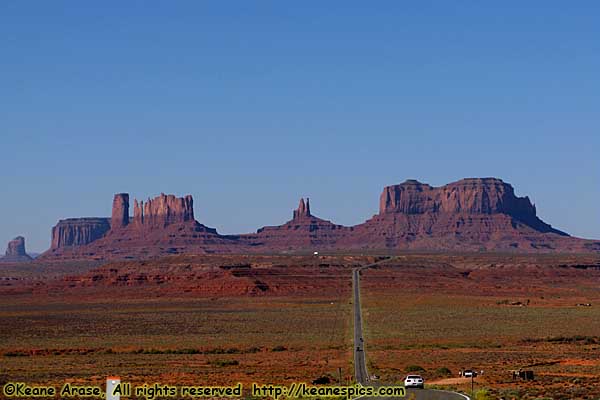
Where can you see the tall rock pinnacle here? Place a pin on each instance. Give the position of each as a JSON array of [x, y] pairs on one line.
[[303, 209], [120, 211]]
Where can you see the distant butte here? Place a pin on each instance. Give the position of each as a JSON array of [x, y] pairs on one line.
[[15, 251], [162, 225], [474, 214], [304, 231]]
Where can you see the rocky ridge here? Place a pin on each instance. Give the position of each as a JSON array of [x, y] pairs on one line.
[[475, 214]]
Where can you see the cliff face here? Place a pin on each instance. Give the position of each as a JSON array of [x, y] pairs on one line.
[[474, 196], [163, 210], [468, 215], [162, 225], [120, 211], [16, 247], [78, 231], [15, 251]]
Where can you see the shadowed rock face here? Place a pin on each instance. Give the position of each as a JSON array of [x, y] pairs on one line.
[[78, 231], [15, 251], [120, 211], [16, 247]]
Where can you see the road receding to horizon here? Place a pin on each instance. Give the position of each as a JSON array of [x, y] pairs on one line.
[[361, 374]]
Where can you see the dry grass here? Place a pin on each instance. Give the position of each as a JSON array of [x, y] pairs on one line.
[[433, 311], [424, 320], [272, 340]]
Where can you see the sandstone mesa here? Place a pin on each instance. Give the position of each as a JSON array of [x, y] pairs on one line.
[[474, 214]]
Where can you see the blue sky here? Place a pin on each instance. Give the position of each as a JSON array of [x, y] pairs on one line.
[[250, 105]]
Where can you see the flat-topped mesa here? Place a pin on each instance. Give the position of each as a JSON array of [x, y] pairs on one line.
[[474, 195], [163, 210], [303, 210], [78, 231], [120, 211], [410, 197], [467, 196]]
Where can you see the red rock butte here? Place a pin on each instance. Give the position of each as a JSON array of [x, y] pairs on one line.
[[15, 251], [475, 214]]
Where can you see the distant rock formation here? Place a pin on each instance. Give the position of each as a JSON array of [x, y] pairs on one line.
[[162, 225], [120, 211], [303, 210], [15, 251], [163, 211], [78, 231], [303, 232], [472, 214], [469, 196], [475, 214]]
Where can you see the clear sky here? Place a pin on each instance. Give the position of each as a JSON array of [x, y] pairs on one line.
[[250, 105]]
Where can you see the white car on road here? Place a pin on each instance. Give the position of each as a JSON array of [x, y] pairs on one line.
[[414, 381]]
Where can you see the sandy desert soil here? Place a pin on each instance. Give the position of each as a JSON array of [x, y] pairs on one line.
[[280, 319], [438, 314]]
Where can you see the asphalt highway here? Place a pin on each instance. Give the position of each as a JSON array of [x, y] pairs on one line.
[[361, 374]]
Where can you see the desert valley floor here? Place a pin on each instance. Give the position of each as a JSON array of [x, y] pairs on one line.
[[282, 319]]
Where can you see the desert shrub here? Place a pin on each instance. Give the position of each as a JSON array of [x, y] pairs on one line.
[[188, 351], [443, 371], [414, 368], [510, 393], [279, 348], [15, 354], [215, 351], [153, 351], [482, 394], [224, 363]]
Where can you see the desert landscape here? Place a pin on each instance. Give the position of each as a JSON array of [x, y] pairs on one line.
[[285, 319], [473, 214], [300, 200], [460, 278]]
